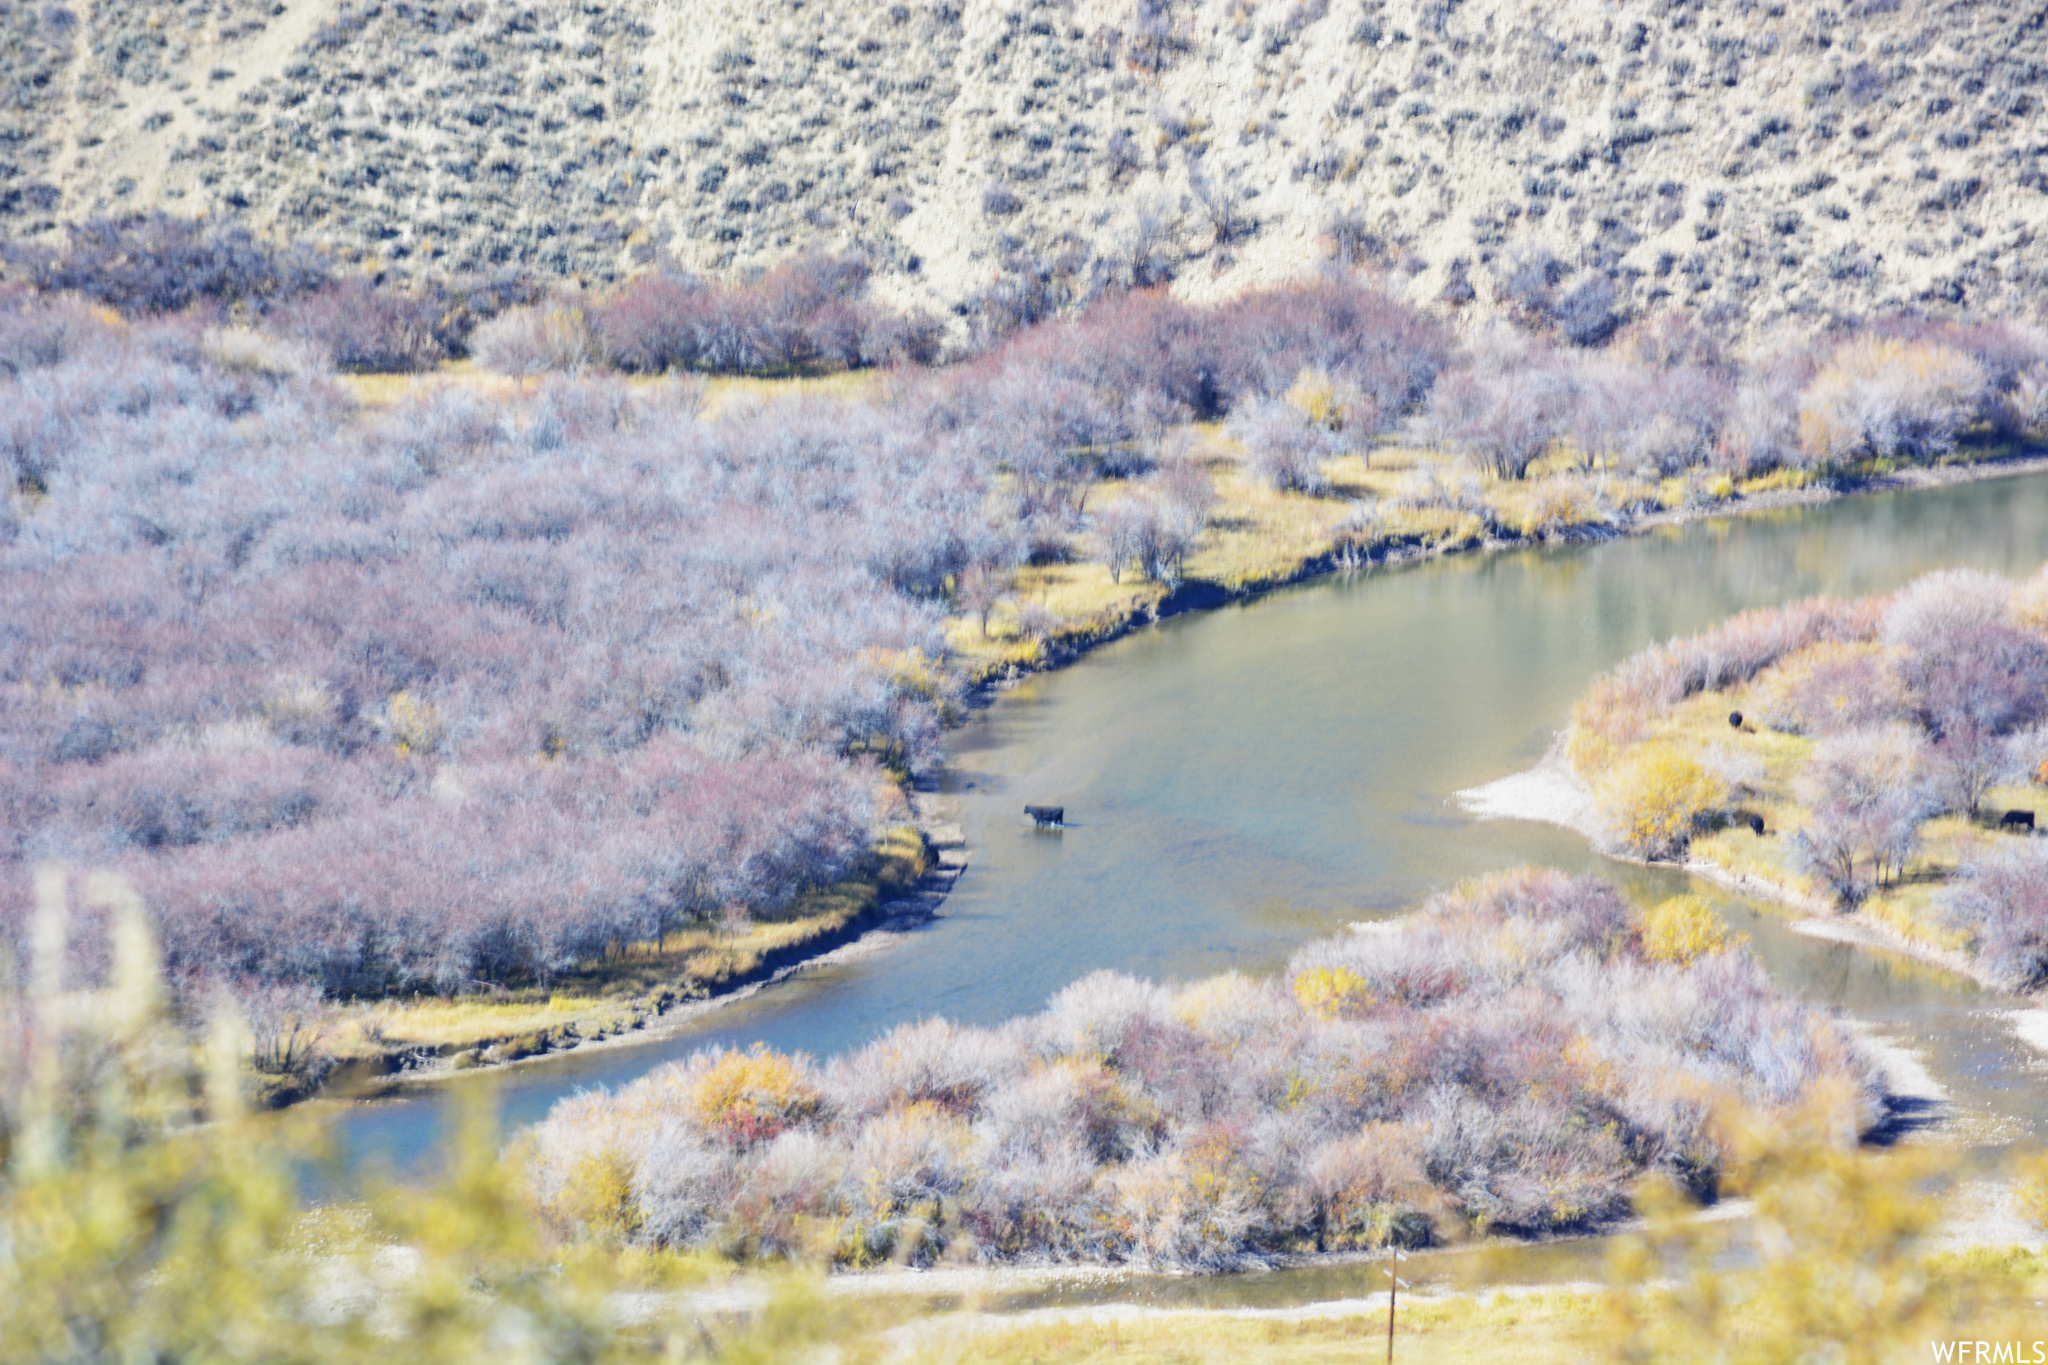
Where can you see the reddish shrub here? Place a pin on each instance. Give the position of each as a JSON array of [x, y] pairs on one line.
[[364, 328]]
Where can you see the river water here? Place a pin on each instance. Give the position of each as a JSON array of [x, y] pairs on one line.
[[1239, 781]]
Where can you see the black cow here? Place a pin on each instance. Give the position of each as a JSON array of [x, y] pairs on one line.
[[1735, 719], [2017, 819], [1755, 823], [1047, 815]]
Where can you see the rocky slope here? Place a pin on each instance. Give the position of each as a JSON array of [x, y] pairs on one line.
[[1760, 159]]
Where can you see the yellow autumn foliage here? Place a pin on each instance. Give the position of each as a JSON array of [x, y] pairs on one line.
[[1318, 398], [415, 726], [2030, 603], [1327, 992], [1652, 796], [753, 1093], [1684, 929]]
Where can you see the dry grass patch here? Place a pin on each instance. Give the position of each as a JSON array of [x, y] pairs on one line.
[[376, 391], [1560, 1326]]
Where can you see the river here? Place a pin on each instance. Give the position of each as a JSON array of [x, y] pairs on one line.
[[1239, 781]]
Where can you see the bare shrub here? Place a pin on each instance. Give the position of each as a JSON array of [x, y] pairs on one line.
[[1284, 449], [1380, 348], [1152, 529], [1889, 398], [37, 333], [651, 325], [1660, 420], [1760, 428], [526, 341], [1936, 608], [244, 350], [1833, 686], [286, 1029], [1504, 422], [2001, 902], [1868, 791], [364, 329], [979, 589]]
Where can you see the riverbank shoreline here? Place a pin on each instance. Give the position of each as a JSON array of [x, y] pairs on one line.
[[892, 919], [1194, 595]]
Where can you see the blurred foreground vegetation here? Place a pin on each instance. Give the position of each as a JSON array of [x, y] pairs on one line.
[[148, 1214]]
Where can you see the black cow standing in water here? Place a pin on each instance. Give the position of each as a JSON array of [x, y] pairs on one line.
[[1047, 815]]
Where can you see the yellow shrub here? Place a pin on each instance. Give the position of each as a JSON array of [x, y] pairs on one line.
[[753, 1094], [1655, 792], [1327, 992], [1721, 488], [1317, 396], [2030, 604], [597, 1198], [911, 671], [1560, 504], [1683, 930], [415, 726]]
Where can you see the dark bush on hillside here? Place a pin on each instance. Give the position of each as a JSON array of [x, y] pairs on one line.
[[467, 693], [155, 263], [1510, 1058], [1589, 314]]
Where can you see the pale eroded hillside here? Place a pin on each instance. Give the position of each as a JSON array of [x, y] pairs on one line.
[[1762, 159]]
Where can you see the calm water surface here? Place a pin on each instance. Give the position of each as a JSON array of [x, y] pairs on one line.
[[1246, 779]]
